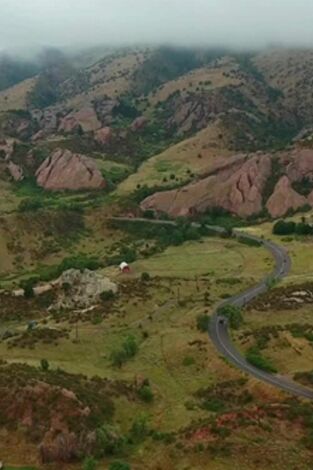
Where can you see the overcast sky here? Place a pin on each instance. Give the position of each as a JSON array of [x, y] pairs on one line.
[[36, 23]]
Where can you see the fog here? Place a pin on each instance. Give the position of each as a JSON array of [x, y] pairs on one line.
[[27, 25]]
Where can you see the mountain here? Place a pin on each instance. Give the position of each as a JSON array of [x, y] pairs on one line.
[[175, 116]]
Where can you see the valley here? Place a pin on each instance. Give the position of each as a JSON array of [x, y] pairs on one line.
[[127, 160]]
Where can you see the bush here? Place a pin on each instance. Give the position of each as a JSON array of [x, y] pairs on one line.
[[145, 277], [255, 358], [30, 204], [139, 430], [44, 365], [107, 295], [146, 394], [109, 440], [188, 361], [282, 227], [89, 463], [233, 315], [128, 350], [203, 322], [119, 466], [28, 291]]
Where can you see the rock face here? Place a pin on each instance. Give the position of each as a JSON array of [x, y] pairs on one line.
[[15, 171], [103, 136], [64, 170], [139, 123], [83, 289], [284, 198], [85, 118], [6, 148], [236, 186]]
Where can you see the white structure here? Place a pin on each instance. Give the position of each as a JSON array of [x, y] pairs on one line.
[[124, 267]]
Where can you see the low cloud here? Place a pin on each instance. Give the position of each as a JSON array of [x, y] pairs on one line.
[[30, 24]]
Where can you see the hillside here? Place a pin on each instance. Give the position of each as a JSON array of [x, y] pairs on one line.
[[107, 369], [170, 114]]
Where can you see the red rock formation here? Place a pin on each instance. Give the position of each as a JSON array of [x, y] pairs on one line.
[[103, 135], [85, 118], [284, 198], [15, 171], [66, 170], [237, 188], [139, 123], [299, 164]]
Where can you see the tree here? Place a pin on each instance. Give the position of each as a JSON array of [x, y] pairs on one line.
[[203, 322], [281, 227], [140, 429], [44, 364], [233, 315], [89, 463], [146, 394]]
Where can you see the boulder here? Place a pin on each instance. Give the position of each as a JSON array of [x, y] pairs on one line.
[[64, 170], [85, 118], [139, 123], [236, 185], [83, 288], [15, 171], [6, 148], [103, 135], [284, 198]]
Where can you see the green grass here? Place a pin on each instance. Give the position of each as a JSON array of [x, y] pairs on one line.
[[167, 313]]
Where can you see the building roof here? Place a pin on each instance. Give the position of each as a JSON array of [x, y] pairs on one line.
[[123, 265]]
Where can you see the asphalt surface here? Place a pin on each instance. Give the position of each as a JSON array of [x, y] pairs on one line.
[[218, 329]]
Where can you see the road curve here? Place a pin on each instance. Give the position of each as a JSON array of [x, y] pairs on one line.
[[218, 328]]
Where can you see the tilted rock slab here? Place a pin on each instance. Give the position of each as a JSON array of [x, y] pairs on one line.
[[64, 170], [236, 187]]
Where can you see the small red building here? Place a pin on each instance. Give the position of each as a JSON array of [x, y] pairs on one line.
[[124, 267]]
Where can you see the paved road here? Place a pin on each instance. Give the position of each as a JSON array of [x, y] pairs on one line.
[[218, 329]]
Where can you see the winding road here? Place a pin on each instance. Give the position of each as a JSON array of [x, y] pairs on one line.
[[218, 328]]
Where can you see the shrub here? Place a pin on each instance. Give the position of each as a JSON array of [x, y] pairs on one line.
[[188, 361], [118, 465], [128, 350], [255, 358], [203, 322], [145, 277], [109, 440], [233, 315], [28, 291], [89, 463], [30, 204], [146, 394], [44, 365], [139, 430], [107, 295], [149, 214]]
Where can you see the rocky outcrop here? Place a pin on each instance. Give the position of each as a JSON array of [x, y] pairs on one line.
[[15, 171], [139, 123], [236, 187], [64, 170], [284, 198], [299, 164], [6, 148], [85, 118], [103, 136], [82, 289], [46, 119], [59, 447]]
